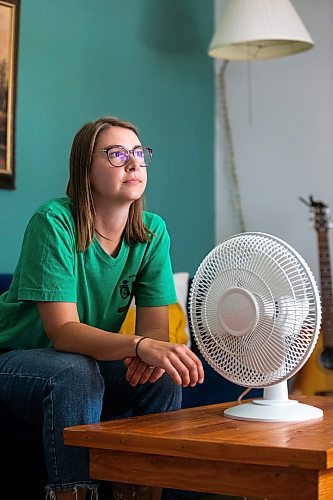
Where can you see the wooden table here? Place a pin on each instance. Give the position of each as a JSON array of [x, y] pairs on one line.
[[199, 449]]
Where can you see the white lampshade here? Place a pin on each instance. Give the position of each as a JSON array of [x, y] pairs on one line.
[[259, 29]]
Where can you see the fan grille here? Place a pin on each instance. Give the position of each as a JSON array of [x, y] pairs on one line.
[[288, 309]]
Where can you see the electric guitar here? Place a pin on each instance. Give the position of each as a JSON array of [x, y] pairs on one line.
[[316, 376]]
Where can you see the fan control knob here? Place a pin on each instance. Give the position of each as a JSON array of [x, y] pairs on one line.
[[238, 311]]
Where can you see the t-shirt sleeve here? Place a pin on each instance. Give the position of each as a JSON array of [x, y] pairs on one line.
[[47, 262], [155, 285]]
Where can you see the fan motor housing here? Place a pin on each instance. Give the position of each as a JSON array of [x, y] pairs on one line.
[[238, 311]]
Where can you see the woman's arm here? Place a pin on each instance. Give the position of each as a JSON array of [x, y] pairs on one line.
[[153, 322], [62, 325], [66, 333]]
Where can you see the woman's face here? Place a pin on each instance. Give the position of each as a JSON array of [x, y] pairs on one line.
[[117, 185]]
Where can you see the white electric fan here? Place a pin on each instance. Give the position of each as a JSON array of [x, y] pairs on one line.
[[255, 315]]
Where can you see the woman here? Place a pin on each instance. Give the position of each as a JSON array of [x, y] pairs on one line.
[[83, 258]]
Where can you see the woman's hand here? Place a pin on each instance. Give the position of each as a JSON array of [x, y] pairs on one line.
[[183, 366], [139, 372]]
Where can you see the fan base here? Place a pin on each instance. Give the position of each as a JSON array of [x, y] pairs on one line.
[[284, 411]]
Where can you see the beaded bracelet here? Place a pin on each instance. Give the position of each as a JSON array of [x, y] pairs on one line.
[[137, 345]]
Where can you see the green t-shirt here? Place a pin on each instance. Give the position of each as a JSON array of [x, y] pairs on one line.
[[51, 269]]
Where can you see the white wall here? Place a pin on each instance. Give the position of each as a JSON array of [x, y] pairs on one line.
[[286, 150]]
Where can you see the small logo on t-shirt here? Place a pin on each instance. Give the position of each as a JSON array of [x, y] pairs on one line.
[[125, 291]]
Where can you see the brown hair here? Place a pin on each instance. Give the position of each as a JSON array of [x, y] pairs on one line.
[[79, 187]]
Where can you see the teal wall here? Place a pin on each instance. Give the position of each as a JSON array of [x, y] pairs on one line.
[[141, 60]]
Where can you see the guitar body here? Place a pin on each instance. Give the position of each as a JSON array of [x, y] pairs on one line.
[[316, 376], [314, 379]]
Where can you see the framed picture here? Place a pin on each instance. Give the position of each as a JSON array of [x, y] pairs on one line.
[[9, 23]]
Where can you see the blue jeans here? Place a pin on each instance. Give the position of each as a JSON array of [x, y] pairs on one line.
[[57, 390]]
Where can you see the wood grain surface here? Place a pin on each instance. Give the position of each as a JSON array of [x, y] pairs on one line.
[[201, 450]]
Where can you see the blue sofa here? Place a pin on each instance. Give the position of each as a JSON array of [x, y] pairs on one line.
[[21, 444]]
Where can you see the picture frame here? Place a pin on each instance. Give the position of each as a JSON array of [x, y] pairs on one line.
[[9, 26]]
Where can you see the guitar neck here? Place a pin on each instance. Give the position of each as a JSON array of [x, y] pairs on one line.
[[326, 287]]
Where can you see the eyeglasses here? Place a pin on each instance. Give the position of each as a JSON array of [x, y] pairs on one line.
[[119, 156]]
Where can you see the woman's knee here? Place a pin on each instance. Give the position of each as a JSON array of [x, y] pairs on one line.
[[80, 372], [44, 382], [75, 394]]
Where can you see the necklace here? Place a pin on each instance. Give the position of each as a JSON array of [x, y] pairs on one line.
[[102, 235]]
